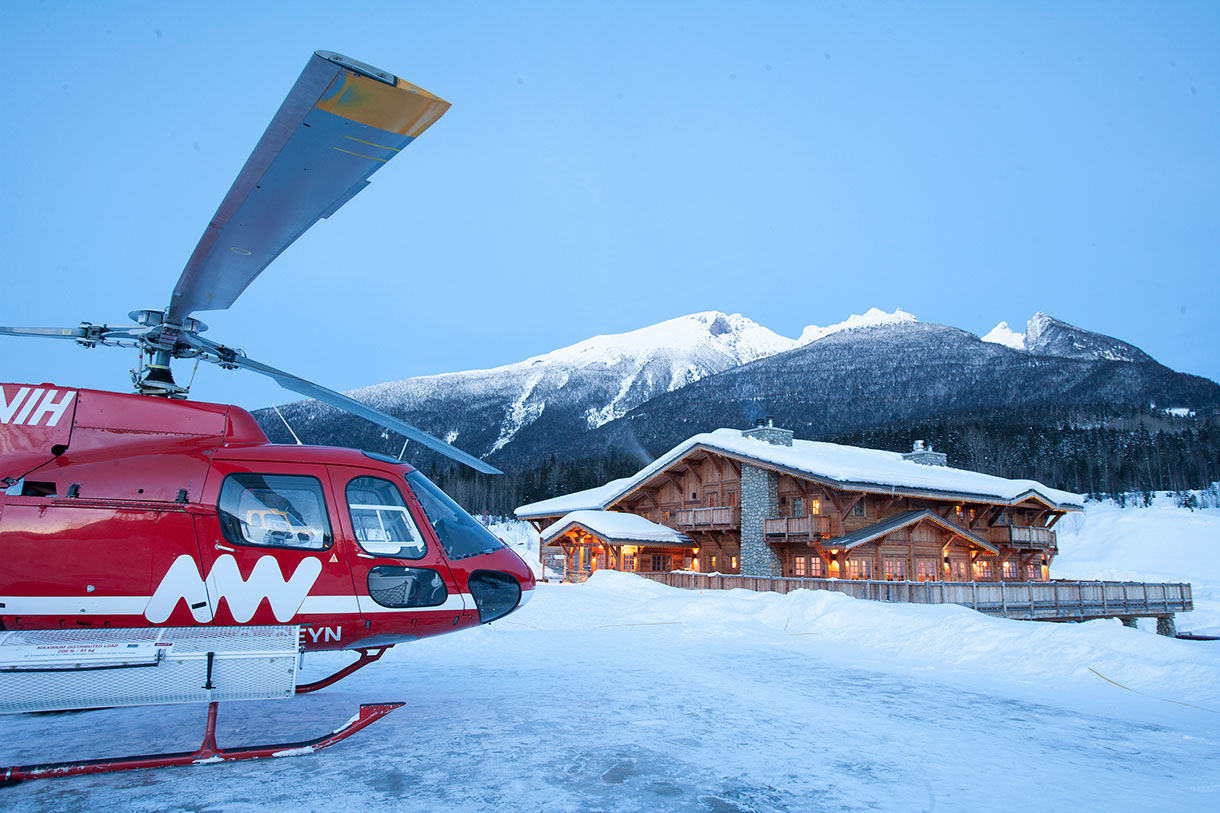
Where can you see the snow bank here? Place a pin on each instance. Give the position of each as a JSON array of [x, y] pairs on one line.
[[1061, 663]]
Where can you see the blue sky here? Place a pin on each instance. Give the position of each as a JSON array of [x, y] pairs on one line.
[[608, 166]]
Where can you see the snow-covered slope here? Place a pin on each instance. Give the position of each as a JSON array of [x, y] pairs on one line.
[[873, 317], [1003, 334]]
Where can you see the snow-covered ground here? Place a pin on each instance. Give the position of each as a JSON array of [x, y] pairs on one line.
[[622, 694]]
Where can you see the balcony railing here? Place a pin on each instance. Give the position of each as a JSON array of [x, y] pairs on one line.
[[1022, 536], [801, 527], [727, 516]]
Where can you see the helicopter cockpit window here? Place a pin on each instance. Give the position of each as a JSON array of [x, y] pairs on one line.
[[274, 510], [380, 518], [461, 534]]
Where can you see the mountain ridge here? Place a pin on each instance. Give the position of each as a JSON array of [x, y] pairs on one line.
[[628, 393]]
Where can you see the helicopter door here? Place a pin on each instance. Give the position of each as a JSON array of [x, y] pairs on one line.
[[271, 551], [402, 581]]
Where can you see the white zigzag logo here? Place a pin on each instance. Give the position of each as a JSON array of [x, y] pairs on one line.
[[224, 580]]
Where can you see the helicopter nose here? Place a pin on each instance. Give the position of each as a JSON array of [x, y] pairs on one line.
[[501, 584]]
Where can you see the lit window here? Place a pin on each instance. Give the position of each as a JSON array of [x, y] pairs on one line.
[[815, 566], [733, 563], [1033, 572], [894, 569], [713, 563], [923, 570], [815, 507], [982, 569], [798, 566], [1010, 569], [859, 568]]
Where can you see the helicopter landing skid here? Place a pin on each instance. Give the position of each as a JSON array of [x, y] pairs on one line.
[[367, 656], [207, 753]]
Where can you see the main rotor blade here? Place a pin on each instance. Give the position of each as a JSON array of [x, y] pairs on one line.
[[45, 332], [339, 124], [297, 384]]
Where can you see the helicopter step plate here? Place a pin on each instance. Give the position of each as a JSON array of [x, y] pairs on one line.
[[59, 670]]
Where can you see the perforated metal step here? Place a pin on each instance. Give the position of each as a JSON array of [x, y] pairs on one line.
[[56, 670]]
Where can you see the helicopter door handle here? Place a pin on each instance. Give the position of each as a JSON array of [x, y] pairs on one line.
[[219, 546]]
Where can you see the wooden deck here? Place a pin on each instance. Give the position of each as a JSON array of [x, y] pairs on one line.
[[723, 517], [806, 527], [1036, 601]]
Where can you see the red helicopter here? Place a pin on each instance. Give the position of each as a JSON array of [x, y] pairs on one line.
[[154, 550]]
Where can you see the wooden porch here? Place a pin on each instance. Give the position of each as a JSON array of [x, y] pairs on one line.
[[1028, 538], [806, 528], [718, 518], [1031, 601]]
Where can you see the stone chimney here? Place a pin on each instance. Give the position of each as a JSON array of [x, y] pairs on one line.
[[768, 431], [922, 453]]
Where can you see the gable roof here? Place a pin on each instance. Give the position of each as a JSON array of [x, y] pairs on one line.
[[617, 528], [846, 467], [870, 533]]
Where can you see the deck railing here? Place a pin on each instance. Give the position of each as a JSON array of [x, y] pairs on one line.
[[1024, 536], [805, 527], [720, 516], [1067, 600]]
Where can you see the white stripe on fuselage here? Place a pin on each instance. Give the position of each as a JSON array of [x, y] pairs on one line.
[[134, 605]]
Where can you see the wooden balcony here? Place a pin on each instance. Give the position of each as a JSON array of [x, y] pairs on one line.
[[1030, 538], [803, 528], [700, 519]]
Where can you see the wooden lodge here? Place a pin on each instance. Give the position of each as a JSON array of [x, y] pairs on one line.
[[597, 540], [760, 503]]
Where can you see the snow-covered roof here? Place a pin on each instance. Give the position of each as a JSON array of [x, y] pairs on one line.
[[616, 526], [887, 526], [849, 467]]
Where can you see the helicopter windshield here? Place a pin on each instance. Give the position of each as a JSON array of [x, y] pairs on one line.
[[461, 534]]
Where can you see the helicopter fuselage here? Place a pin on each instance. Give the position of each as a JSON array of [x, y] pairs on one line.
[[122, 510]]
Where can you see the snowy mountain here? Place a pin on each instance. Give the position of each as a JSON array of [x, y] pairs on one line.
[[565, 392], [1047, 336], [901, 373], [638, 393]]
